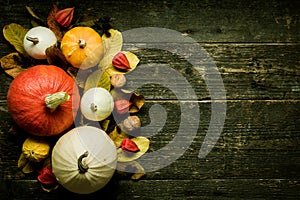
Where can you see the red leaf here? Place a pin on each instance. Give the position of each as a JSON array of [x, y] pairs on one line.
[[129, 145]]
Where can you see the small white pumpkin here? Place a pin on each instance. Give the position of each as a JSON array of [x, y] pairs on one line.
[[96, 104], [84, 159], [37, 40]]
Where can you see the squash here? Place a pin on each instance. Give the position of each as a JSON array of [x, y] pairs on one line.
[[37, 40], [36, 149], [82, 47], [43, 100], [84, 159], [96, 104]]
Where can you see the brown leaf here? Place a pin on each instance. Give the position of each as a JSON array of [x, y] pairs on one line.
[[56, 57], [36, 20], [12, 64], [87, 20], [138, 101], [53, 25]]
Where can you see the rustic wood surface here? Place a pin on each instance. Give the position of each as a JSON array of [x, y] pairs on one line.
[[255, 46]]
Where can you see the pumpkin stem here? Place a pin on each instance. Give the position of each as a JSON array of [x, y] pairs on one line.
[[82, 167], [54, 100], [82, 43], [93, 107], [34, 40]]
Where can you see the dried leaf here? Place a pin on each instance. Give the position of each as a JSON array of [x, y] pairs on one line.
[[32, 13], [14, 34], [98, 78], [104, 124], [22, 161], [112, 45], [12, 64], [117, 136], [133, 168], [143, 144], [53, 25], [36, 20], [24, 164], [87, 20], [138, 101], [56, 57], [133, 62], [46, 188]]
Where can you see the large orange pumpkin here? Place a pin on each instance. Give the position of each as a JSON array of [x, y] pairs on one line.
[[82, 47], [43, 100]]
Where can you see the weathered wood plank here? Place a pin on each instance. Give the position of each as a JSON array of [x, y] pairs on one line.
[[166, 189], [252, 71], [206, 21], [261, 141]]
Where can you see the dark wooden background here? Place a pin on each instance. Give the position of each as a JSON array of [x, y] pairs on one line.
[[255, 45]]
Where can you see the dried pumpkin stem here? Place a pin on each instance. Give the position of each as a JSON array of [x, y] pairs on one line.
[[93, 107], [82, 43], [82, 167], [34, 40], [52, 101]]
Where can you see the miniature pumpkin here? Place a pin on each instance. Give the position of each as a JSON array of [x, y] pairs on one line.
[[82, 47], [96, 104], [37, 40], [36, 149], [84, 159], [43, 100]]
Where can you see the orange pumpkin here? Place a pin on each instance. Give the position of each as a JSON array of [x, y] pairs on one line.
[[43, 100], [82, 47]]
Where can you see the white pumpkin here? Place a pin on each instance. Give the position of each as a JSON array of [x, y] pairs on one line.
[[96, 104], [84, 159]]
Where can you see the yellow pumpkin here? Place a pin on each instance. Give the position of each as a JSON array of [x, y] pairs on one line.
[[36, 149], [82, 47]]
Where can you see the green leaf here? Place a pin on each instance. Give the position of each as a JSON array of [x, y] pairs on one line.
[[98, 78], [14, 34]]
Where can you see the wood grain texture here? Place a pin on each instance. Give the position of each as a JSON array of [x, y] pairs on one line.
[[255, 47]]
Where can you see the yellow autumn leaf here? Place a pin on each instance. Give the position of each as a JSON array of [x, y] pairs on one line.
[[98, 78], [117, 136], [112, 45], [14, 34], [143, 144]]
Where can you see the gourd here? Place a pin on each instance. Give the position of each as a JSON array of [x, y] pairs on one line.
[[35, 149], [82, 47], [37, 40], [84, 159], [43, 100], [96, 104]]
